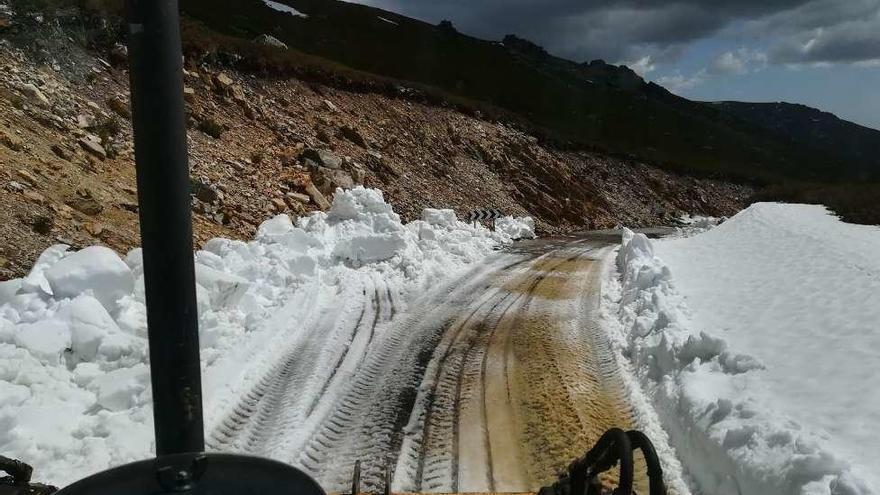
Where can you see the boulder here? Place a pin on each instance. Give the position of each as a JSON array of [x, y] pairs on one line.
[[204, 192], [93, 145], [85, 202], [35, 95], [322, 158], [353, 135], [318, 198], [89, 206], [327, 180], [222, 81], [292, 154], [279, 204], [300, 198]]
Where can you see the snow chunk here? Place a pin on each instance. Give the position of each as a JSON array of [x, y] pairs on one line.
[[516, 228], [46, 339], [36, 280], [97, 269], [135, 260], [370, 248], [8, 289], [360, 204], [224, 290], [275, 226], [439, 218], [90, 325], [121, 389], [13, 395]]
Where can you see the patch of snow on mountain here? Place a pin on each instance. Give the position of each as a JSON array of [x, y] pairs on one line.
[[280, 7]]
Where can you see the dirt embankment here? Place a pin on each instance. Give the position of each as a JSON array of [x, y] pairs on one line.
[[259, 147]]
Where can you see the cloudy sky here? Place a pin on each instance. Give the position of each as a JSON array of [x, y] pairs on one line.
[[824, 53]]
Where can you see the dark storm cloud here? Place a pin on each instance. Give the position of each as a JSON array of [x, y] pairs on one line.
[[629, 29], [827, 32], [584, 29]]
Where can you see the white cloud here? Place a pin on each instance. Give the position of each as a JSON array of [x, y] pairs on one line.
[[741, 61], [642, 66], [679, 83]]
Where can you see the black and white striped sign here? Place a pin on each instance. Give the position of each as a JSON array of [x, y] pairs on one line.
[[484, 214]]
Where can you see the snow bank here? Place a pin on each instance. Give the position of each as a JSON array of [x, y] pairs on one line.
[[74, 381], [757, 345]]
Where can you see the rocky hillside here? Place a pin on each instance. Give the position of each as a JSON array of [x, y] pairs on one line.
[[260, 146], [812, 128], [587, 103]]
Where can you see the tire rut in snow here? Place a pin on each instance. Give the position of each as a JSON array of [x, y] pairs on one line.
[[369, 420], [274, 407]]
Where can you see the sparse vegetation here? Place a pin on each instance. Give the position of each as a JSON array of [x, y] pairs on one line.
[[853, 202]]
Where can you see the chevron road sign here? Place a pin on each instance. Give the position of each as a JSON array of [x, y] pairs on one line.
[[481, 214]]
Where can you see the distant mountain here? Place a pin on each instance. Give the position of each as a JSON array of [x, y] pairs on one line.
[[812, 128], [597, 105]]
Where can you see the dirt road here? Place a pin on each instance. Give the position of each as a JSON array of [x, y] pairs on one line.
[[492, 383]]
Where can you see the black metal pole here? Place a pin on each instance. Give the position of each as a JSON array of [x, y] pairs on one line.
[[155, 65]]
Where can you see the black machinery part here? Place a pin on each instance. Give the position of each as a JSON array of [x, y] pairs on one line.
[[614, 448], [198, 474], [18, 479]]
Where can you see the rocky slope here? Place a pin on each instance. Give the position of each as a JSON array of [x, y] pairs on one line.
[[812, 128], [262, 146]]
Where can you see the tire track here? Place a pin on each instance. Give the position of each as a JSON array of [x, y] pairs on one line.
[[504, 349], [505, 465], [375, 302], [438, 464], [252, 425]]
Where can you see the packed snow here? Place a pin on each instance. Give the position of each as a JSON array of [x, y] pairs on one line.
[[757, 343], [75, 392], [281, 7]]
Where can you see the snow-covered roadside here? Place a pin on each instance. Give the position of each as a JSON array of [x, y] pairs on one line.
[[756, 345], [74, 378]]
